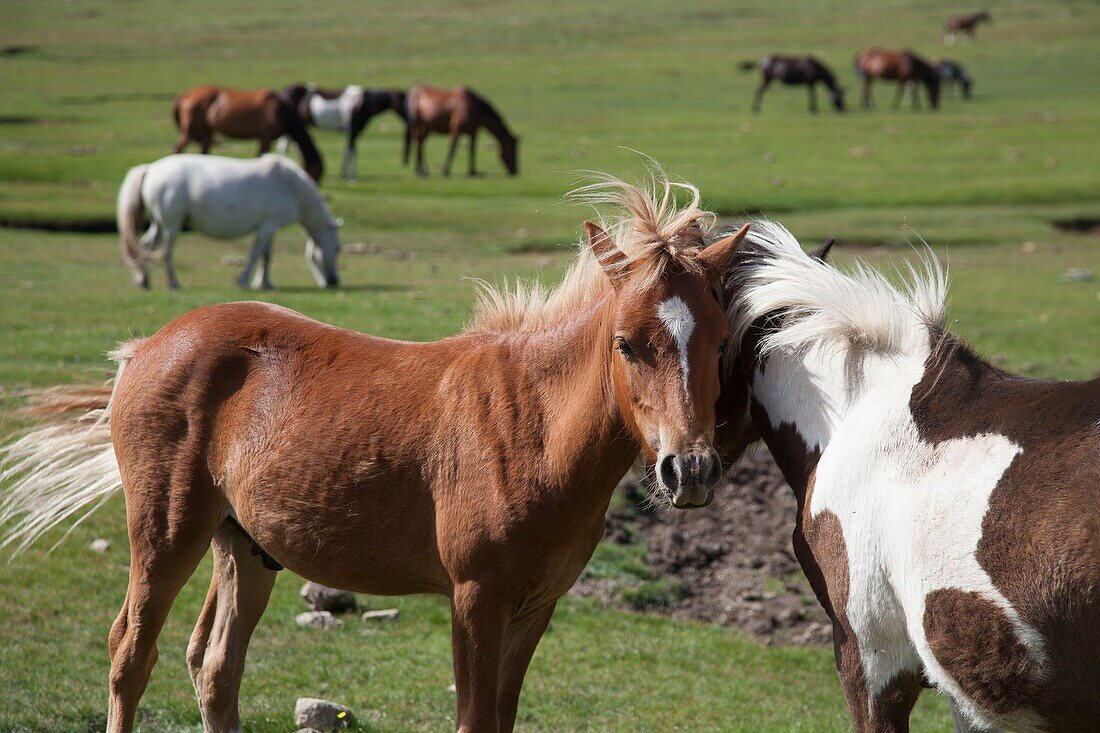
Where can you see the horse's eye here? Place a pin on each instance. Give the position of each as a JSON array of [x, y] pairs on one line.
[[624, 347], [724, 346]]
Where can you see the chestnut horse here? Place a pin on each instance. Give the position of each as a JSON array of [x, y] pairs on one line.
[[478, 467], [795, 70], [947, 510], [203, 111], [347, 110], [905, 67], [455, 112], [965, 24]]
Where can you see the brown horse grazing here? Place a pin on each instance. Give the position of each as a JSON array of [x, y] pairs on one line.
[[348, 110], [203, 111], [795, 70], [965, 24], [478, 467], [947, 510], [455, 112], [905, 67]]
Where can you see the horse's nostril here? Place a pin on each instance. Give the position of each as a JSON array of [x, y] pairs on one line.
[[667, 472], [714, 468]]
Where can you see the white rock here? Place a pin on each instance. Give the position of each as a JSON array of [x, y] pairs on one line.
[[387, 614], [322, 715], [322, 598], [318, 620], [100, 545]]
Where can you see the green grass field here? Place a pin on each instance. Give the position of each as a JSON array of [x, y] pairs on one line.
[[87, 90]]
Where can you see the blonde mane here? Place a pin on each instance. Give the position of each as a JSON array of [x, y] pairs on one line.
[[650, 229], [859, 310]]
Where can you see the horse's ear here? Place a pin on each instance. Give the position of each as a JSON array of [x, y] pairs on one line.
[[715, 259], [610, 257], [822, 253]]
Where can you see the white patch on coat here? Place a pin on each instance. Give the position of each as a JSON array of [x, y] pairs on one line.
[[335, 114], [679, 321]]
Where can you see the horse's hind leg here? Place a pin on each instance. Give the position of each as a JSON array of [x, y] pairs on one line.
[[451, 152], [899, 95], [813, 97], [169, 263], [239, 592], [759, 96], [171, 522], [868, 102]]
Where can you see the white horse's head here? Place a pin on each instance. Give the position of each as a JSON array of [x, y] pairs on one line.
[[321, 250]]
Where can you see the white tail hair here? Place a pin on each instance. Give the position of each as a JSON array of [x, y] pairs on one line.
[[129, 218], [63, 469]]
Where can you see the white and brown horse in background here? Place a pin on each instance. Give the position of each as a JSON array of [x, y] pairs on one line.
[[347, 110], [478, 467], [456, 112], [948, 510]]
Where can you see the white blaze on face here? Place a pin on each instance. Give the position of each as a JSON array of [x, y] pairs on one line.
[[676, 316]]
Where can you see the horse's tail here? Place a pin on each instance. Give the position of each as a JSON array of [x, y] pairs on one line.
[[747, 65], [292, 122], [64, 468], [176, 111], [860, 71], [129, 219]]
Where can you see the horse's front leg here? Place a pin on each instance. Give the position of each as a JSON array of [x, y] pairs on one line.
[[521, 637], [349, 168], [451, 152], [883, 707], [899, 95], [261, 253], [813, 97], [759, 96], [478, 620]]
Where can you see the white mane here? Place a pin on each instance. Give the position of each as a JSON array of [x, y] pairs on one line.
[[858, 310]]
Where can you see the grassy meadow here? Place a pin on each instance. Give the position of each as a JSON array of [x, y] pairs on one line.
[[87, 92]]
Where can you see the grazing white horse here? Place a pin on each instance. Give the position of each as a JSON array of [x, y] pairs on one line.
[[224, 198]]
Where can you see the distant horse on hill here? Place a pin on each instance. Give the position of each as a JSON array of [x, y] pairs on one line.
[[455, 112], [348, 110], [905, 67], [261, 114], [224, 198], [952, 74], [965, 24], [795, 70]]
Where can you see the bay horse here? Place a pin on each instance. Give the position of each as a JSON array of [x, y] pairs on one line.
[[966, 24], [795, 70], [224, 198], [947, 509], [478, 467], [262, 113], [952, 74], [347, 110], [455, 112], [905, 67]]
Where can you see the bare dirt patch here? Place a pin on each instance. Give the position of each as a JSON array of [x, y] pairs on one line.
[[730, 563]]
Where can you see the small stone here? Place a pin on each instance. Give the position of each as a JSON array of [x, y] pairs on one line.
[[387, 614], [355, 248], [232, 261], [322, 598], [1078, 275], [1028, 247], [318, 620], [307, 730], [100, 545], [321, 715], [452, 687]]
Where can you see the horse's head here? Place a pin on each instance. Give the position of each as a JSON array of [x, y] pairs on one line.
[[838, 99], [667, 335], [509, 153]]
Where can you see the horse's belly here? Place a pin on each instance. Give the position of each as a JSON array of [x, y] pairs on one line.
[[328, 113]]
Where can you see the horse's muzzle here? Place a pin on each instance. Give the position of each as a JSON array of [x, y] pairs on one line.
[[690, 477]]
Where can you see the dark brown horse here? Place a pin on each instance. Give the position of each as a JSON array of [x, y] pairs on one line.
[[455, 112], [795, 70], [262, 114], [947, 509], [478, 467], [905, 67], [348, 110], [965, 24], [952, 74]]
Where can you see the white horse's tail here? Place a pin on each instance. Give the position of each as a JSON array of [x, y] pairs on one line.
[[129, 218], [64, 468]]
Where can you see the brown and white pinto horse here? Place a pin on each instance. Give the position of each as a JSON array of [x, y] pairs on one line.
[[965, 24], [947, 510], [455, 112], [347, 110], [203, 111], [478, 467], [905, 67]]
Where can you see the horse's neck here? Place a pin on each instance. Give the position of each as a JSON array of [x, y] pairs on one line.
[[311, 207], [830, 400], [495, 125], [586, 446]]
